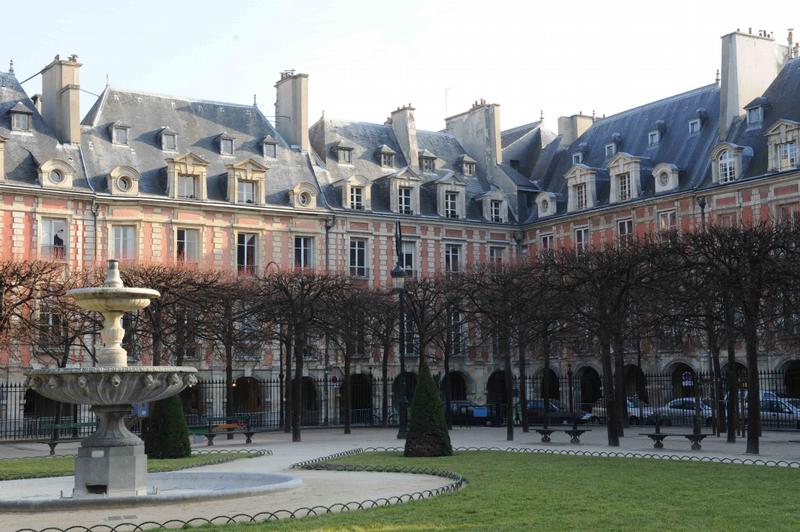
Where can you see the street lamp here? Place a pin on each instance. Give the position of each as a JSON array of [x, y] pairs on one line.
[[399, 283]]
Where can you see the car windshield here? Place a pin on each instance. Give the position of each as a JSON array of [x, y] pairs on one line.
[[794, 401]]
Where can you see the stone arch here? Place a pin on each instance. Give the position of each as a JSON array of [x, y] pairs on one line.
[[683, 379], [457, 381], [361, 397], [397, 388], [635, 382], [550, 387], [590, 388], [791, 377], [246, 396]]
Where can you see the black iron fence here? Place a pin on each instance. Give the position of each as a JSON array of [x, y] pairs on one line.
[[674, 398]]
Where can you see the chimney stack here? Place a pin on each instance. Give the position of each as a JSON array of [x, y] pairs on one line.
[[572, 127], [405, 130], [2, 158], [61, 98], [291, 109], [478, 131], [749, 64]]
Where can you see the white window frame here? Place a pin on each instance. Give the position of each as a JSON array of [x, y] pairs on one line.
[[245, 192], [787, 155], [247, 245], [546, 242], [653, 138], [726, 166], [625, 230], [452, 258], [408, 258], [357, 198], [191, 246], [183, 180], [428, 164], [387, 160], [577, 158], [223, 143], [165, 143], [496, 211], [469, 169], [405, 203], [49, 245], [358, 259], [581, 237], [451, 204], [695, 125], [667, 221], [580, 190], [16, 126], [303, 256], [624, 186], [344, 156], [497, 255], [124, 242], [610, 150]]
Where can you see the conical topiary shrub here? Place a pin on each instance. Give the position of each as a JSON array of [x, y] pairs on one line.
[[165, 434], [427, 428]]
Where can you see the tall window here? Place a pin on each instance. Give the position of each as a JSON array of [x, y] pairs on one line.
[[789, 213], [581, 239], [428, 164], [455, 330], [726, 166], [452, 258], [496, 255], [358, 257], [303, 252], [51, 330], [625, 230], [451, 204], [185, 333], [624, 184], [53, 239], [187, 186], [787, 155], [611, 149], [124, 242], [188, 246], [407, 260], [755, 116], [404, 200], [547, 242], [246, 191], [411, 338], [580, 195], [246, 253], [667, 221], [357, 198], [496, 211]]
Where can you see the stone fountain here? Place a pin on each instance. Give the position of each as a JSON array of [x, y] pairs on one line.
[[111, 462]]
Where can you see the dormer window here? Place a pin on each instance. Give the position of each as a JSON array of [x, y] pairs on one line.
[[20, 117], [577, 158], [226, 145], [611, 149], [495, 210], [469, 169], [725, 167], [624, 184], [694, 126], [169, 140], [653, 138], [728, 162], [246, 192], [783, 138], [119, 134], [787, 155], [755, 115], [357, 198], [187, 186], [427, 161], [579, 192], [345, 155], [270, 147], [451, 205], [387, 160], [404, 205]]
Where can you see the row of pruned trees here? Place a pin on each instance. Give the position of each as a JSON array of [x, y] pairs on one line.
[[715, 287]]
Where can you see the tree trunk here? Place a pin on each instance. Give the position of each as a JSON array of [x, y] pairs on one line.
[[297, 388], [287, 379], [523, 396], [385, 385], [228, 328], [608, 394], [619, 387], [157, 332], [504, 343], [716, 389], [447, 393], [546, 382], [753, 392], [733, 393], [348, 395]]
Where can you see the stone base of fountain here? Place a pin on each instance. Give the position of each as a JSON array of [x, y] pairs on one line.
[[110, 472]]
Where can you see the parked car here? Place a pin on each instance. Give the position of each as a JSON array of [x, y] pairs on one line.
[[779, 413], [556, 415], [681, 412], [467, 413], [637, 411]]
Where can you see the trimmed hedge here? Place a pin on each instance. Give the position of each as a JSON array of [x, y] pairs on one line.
[[165, 433], [427, 429]]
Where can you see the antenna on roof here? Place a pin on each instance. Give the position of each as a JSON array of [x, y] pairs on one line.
[[716, 78], [11, 66]]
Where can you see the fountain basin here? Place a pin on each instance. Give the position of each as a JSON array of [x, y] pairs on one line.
[[107, 386], [112, 298], [163, 488]]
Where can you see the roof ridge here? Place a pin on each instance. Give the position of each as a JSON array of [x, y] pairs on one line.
[[183, 98], [662, 100]]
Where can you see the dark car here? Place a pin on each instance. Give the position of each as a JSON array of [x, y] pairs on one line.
[[467, 413], [556, 415]]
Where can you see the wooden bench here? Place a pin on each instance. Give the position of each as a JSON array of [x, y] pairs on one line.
[[573, 433], [55, 434], [659, 437]]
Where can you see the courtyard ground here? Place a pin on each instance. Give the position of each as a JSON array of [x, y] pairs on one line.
[[562, 476]]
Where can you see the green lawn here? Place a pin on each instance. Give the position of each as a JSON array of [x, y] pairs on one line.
[[523, 492], [58, 466]]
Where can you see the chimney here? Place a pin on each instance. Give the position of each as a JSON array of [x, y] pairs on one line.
[[478, 130], [749, 64], [405, 130], [60, 101], [37, 102], [291, 109], [2, 159], [572, 127]]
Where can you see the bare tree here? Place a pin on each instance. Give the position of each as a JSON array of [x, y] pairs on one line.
[[382, 318], [22, 285]]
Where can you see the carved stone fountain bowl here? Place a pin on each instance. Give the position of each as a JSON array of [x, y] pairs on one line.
[[110, 385], [108, 298]]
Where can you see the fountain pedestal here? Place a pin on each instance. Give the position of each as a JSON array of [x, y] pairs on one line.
[[111, 462]]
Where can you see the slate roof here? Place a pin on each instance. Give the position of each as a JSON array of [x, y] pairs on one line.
[[199, 124], [510, 136], [26, 151], [630, 129], [366, 138]]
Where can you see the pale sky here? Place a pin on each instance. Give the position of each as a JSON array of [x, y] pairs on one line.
[[365, 58]]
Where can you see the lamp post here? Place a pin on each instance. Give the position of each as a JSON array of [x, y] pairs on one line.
[[701, 202], [399, 284]]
